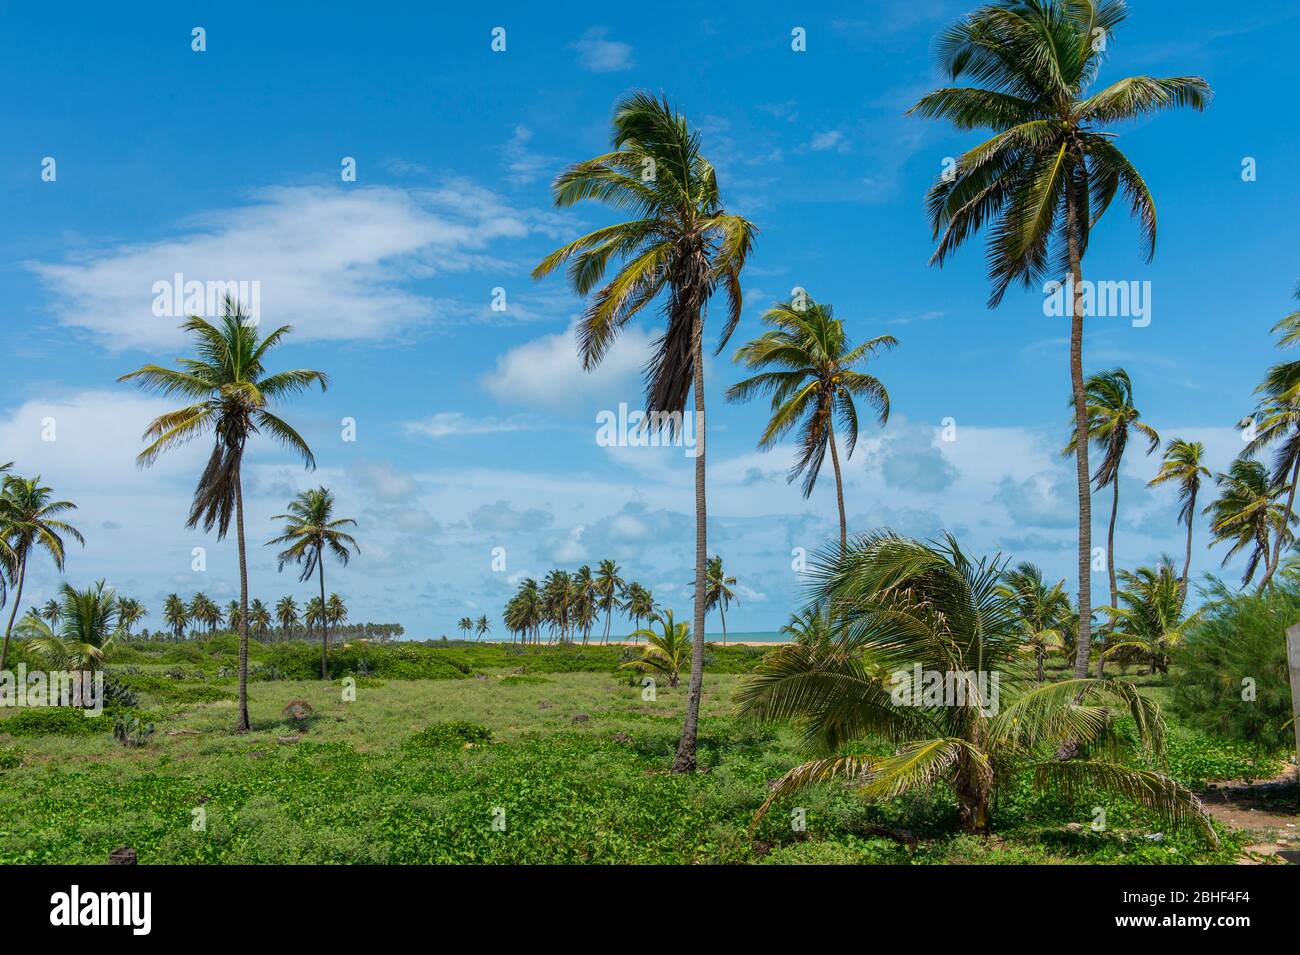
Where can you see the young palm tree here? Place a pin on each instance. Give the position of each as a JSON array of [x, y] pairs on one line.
[[1182, 464], [1043, 611], [1151, 618], [228, 393], [1247, 514], [286, 614], [609, 588], [259, 618], [665, 652], [176, 615], [482, 627], [719, 592], [681, 243], [1049, 171], [812, 381], [640, 605], [1111, 414], [1277, 421], [910, 606], [30, 521], [810, 627], [310, 529], [88, 623], [129, 612]]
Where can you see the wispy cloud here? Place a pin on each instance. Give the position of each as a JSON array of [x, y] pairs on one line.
[[447, 424], [522, 165], [599, 54]]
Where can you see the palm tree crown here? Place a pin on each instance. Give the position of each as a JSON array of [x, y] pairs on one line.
[[1182, 466]]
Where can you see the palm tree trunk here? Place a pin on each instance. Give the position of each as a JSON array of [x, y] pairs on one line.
[[722, 611], [1074, 230], [244, 725], [1041, 658], [324, 632], [1187, 561], [18, 598], [685, 761], [1281, 531], [1110, 569], [839, 489]]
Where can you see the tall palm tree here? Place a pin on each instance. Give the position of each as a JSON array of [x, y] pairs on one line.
[[719, 593], [1049, 171], [557, 602], [233, 615], [336, 611], [259, 618], [1182, 464], [314, 613], [1247, 514], [482, 627], [1277, 421], [1043, 611], [1150, 618], [129, 612], [640, 604], [88, 622], [228, 393], [465, 625], [176, 615], [310, 529], [609, 588], [681, 243], [524, 611], [30, 521], [286, 614], [912, 607], [812, 381], [583, 601], [1111, 413], [204, 610]]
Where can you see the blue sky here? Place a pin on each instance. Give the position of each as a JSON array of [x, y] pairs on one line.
[[475, 429]]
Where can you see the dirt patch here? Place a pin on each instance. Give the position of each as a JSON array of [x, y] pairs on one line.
[[1268, 811]]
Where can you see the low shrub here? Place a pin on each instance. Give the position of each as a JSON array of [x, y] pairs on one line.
[[452, 734]]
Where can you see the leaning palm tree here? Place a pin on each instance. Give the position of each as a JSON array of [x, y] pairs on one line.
[[719, 593], [1247, 515], [666, 651], [286, 614], [809, 372], [680, 247], [977, 720], [482, 627], [609, 588], [228, 392], [88, 622], [176, 615], [1050, 169], [129, 613], [1150, 618], [1277, 422], [1182, 464], [1043, 611], [465, 625], [1111, 414], [310, 530], [31, 521]]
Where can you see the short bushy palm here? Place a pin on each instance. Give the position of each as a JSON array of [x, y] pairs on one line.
[[1043, 611], [88, 623], [666, 650], [1150, 617], [1247, 515]]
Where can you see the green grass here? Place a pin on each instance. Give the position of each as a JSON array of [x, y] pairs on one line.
[[575, 765]]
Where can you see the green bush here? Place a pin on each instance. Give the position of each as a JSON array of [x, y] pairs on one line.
[[55, 721], [452, 734]]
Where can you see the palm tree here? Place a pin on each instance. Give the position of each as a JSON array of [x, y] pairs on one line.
[[88, 622], [719, 592], [259, 618], [1049, 171], [1277, 421], [583, 601], [812, 381], [681, 243], [310, 529], [609, 587], [286, 614], [1182, 463], [1151, 618], [1043, 611], [314, 613], [176, 615], [810, 627], [482, 627], [912, 608], [203, 610], [129, 612], [1247, 514], [639, 603], [228, 392], [336, 612], [557, 597], [233, 615], [524, 610], [50, 611], [1111, 414], [666, 651], [465, 625], [31, 520]]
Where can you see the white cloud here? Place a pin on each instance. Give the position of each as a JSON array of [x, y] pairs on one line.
[[830, 139], [447, 424], [524, 166], [601, 55], [329, 260]]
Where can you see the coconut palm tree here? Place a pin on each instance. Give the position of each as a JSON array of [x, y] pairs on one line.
[[1182, 464], [1111, 413], [719, 593], [233, 615], [259, 618], [314, 613], [1043, 611], [809, 373], [31, 521], [639, 604], [203, 610], [557, 601], [583, 601], [310, 529], [336, 612], [666, 652], [129, 612], [228, 393], [176, 615], [1247, 514], [524, 613], [1049, 171], [88, 623], [465, 625], [810, 627], [482, 627], [1277, 422], [928, 609], [609, 588], [680, 246], [50, 611], [286, 614], [1150, 619]]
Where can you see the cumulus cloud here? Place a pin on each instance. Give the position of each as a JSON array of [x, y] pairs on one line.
[[910, 460]]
